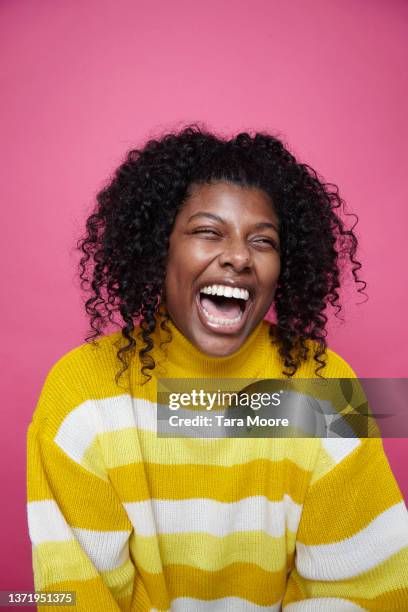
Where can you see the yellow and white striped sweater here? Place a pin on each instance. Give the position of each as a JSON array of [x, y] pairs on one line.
[[135, 522]]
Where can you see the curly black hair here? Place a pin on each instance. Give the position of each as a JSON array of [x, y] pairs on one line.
[[124, 250]]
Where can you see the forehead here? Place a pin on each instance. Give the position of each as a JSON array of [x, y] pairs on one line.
[[228, 199]]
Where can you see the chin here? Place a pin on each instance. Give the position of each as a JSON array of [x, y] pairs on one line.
[[220, 347]]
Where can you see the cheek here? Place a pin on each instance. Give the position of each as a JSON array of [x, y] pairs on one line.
[[270, 277], [174, 260], [188, 260], [179, 273]]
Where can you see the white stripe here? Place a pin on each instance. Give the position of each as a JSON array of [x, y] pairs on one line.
[[340, 448], [226, 604], [383, 537], [323, 604], [46, 522], [106, 549], [255, 513], [78, 430]]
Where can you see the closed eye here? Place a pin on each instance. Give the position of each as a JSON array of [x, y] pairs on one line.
[[268, 241], [205, 231], [212, 233]]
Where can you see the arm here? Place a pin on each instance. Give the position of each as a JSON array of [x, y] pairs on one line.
[[352, 542], [78, 528]]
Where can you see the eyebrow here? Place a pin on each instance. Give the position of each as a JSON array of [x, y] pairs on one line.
[[260, 225]]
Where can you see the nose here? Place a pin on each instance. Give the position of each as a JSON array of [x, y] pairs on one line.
[[237, 255]]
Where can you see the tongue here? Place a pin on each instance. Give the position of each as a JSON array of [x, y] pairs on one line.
[[224, 308]]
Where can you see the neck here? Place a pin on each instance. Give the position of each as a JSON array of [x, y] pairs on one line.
[[182, 359]]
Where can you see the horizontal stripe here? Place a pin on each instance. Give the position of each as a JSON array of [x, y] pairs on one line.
[[391, 599], [207, 552], [125, 429], [54, 562], [106, 549], [77, 432], [373, 582], [92, 590], [46, 523], [226, 604], [132, 445], [326, 604], [241, 580], [213, 517], [382, 538], [139, 482]]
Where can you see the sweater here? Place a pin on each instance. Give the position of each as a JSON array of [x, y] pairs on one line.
[[135, 522]]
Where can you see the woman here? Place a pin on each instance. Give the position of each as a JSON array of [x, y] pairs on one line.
[[197, 237]]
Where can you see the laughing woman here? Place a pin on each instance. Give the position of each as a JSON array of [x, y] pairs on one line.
[[194, 239]]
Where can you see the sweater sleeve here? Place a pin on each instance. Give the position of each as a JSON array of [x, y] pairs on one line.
[[352, 541], [78, 528]]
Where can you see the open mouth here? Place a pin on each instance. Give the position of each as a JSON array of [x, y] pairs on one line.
[[223, 308]]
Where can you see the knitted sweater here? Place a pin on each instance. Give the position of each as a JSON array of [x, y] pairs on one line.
[[132, 521]]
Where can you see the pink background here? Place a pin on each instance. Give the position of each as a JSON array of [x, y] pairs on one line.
[[83, 81]]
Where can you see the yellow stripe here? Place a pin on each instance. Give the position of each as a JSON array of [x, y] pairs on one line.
[[120, 580], [345, 506], [55, 561], [393, 599], [142, 481], [293, 592], [323, 466], [92, 460], [38, 487], [84, 499], [131, 445], [211, 553], [374, 581], [91, 594], [237, 580]]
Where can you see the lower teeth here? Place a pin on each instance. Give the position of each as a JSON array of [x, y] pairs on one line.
[[222, 321]]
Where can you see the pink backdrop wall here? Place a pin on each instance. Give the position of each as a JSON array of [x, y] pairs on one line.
[[82, 81]]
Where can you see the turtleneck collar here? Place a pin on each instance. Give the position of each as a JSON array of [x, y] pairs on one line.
[[182, 359]]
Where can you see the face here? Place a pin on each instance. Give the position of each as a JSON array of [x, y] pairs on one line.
[[223, 265]]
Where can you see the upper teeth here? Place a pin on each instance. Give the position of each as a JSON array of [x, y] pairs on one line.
[[226, 291]]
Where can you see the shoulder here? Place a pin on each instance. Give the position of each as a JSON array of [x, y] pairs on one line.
[[88, 362], [338, 366], [84, 373]]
